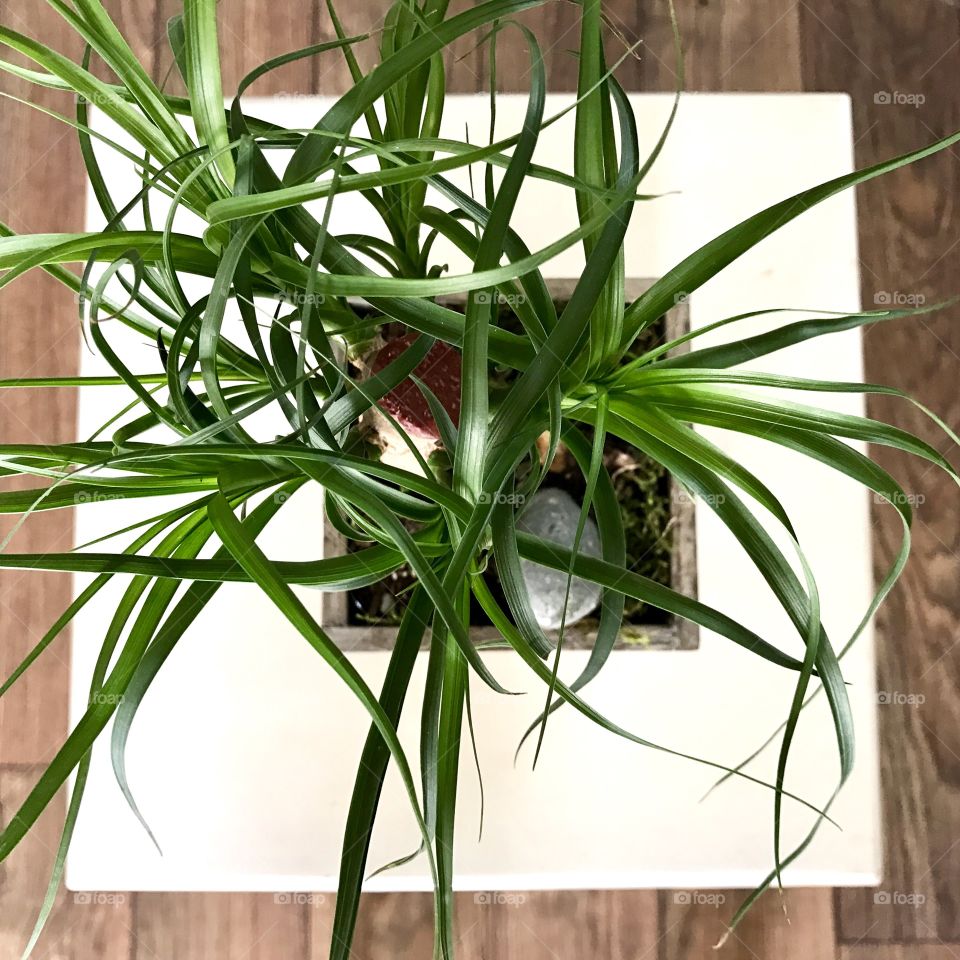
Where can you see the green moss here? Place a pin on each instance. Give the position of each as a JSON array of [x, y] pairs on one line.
[[632, 636], [643, 491]]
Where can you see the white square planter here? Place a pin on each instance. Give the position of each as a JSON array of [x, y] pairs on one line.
[[246, 780]]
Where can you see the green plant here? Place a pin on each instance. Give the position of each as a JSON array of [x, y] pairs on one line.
[[575, 377]]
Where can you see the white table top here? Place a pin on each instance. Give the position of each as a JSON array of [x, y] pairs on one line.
[[245, 775]]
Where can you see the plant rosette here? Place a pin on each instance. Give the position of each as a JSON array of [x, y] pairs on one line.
[[209, 309]]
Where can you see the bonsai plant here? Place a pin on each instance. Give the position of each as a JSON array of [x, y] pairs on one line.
[[473, 407]]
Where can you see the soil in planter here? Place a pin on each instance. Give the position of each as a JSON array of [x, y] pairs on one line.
[[643, 491]]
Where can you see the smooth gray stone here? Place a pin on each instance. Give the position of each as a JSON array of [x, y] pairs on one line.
[[553, 514]]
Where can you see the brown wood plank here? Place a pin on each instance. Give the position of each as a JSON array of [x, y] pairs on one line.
[[748, 45], [42, 178], [693, 922], [81, 925], [138, 23], [195, 926], [250, 33], [901, 951], [386, 921], [557, 27], [331, 75], [908, 221], [615, 925]]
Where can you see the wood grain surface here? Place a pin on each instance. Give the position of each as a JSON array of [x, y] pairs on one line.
[[909, 248], [900, 62]]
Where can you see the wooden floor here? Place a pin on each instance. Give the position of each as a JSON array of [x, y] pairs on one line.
[[910, 246]]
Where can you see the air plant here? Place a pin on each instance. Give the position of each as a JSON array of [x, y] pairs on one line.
[[287, 308]]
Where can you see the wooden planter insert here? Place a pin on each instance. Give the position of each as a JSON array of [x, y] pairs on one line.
[[671, 634]]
